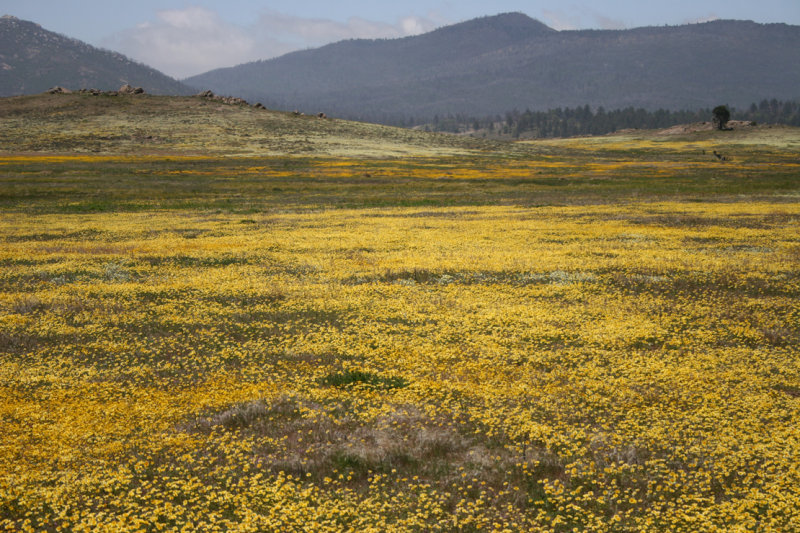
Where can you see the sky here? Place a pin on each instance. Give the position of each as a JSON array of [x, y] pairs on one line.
[[186, 37]]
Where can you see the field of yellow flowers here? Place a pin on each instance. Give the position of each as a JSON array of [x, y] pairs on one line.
[[581, 339]]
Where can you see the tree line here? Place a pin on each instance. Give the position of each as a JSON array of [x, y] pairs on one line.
[[582, 120]]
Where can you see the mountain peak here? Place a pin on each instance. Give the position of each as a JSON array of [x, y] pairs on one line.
[[520, 20], [516, 25]]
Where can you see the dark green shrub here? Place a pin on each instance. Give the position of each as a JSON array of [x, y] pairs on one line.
[[355, 377]]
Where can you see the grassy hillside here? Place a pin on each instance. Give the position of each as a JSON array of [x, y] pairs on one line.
[[171, 151], [392, 331], [146, 124]]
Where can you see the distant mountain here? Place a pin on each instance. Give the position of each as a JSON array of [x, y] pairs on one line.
[[495, 64], [33, 60]]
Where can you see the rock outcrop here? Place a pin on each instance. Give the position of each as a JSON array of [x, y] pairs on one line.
[[230, 100]]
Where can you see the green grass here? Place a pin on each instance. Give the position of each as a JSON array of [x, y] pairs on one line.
[[238, 159], [360, 377], [228, 185]]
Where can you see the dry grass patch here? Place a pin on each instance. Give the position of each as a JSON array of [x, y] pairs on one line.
[[330, 442]]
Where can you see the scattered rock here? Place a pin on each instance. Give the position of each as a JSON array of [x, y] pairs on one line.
[[127, 89], [231, 100], [59, 90], [681, 129], [297, 113], [98, 92]]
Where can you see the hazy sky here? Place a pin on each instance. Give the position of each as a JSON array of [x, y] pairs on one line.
[[187, 37]]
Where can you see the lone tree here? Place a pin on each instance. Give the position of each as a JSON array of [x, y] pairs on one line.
[[721, 116]]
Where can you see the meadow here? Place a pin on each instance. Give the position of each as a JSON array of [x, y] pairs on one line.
[[574, 335]]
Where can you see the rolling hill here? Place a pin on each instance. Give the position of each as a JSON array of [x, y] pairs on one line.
[[33, 60], [495, 64], [192, 125]]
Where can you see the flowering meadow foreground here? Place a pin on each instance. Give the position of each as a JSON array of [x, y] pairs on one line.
[[540, 343]]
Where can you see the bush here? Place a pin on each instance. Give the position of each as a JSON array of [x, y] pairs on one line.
[[354, 377]]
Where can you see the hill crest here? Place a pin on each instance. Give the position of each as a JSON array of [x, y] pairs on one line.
[[198, 125]]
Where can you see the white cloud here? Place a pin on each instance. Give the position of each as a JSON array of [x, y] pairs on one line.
[[580, 18], [708, 18], [607, 23], [185, 42], [315, 32], [559, 20], [195, 18]]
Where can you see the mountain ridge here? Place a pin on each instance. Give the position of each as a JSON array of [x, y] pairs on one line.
[[34, 59], [495, 64], [479, 67]]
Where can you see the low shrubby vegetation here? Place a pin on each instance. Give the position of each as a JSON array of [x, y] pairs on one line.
[[583, 120]]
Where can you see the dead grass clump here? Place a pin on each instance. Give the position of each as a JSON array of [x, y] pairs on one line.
[[73, 305], [780, 336], [324, 359], [439, 214], [241, 416], [25, 304], [417, 275], [324, 443], [404, 441], [252, 416], [789, 390], [748, 221], [17, 343]]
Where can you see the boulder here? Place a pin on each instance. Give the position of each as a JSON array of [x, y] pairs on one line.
[[127, 89], [59, 90]]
